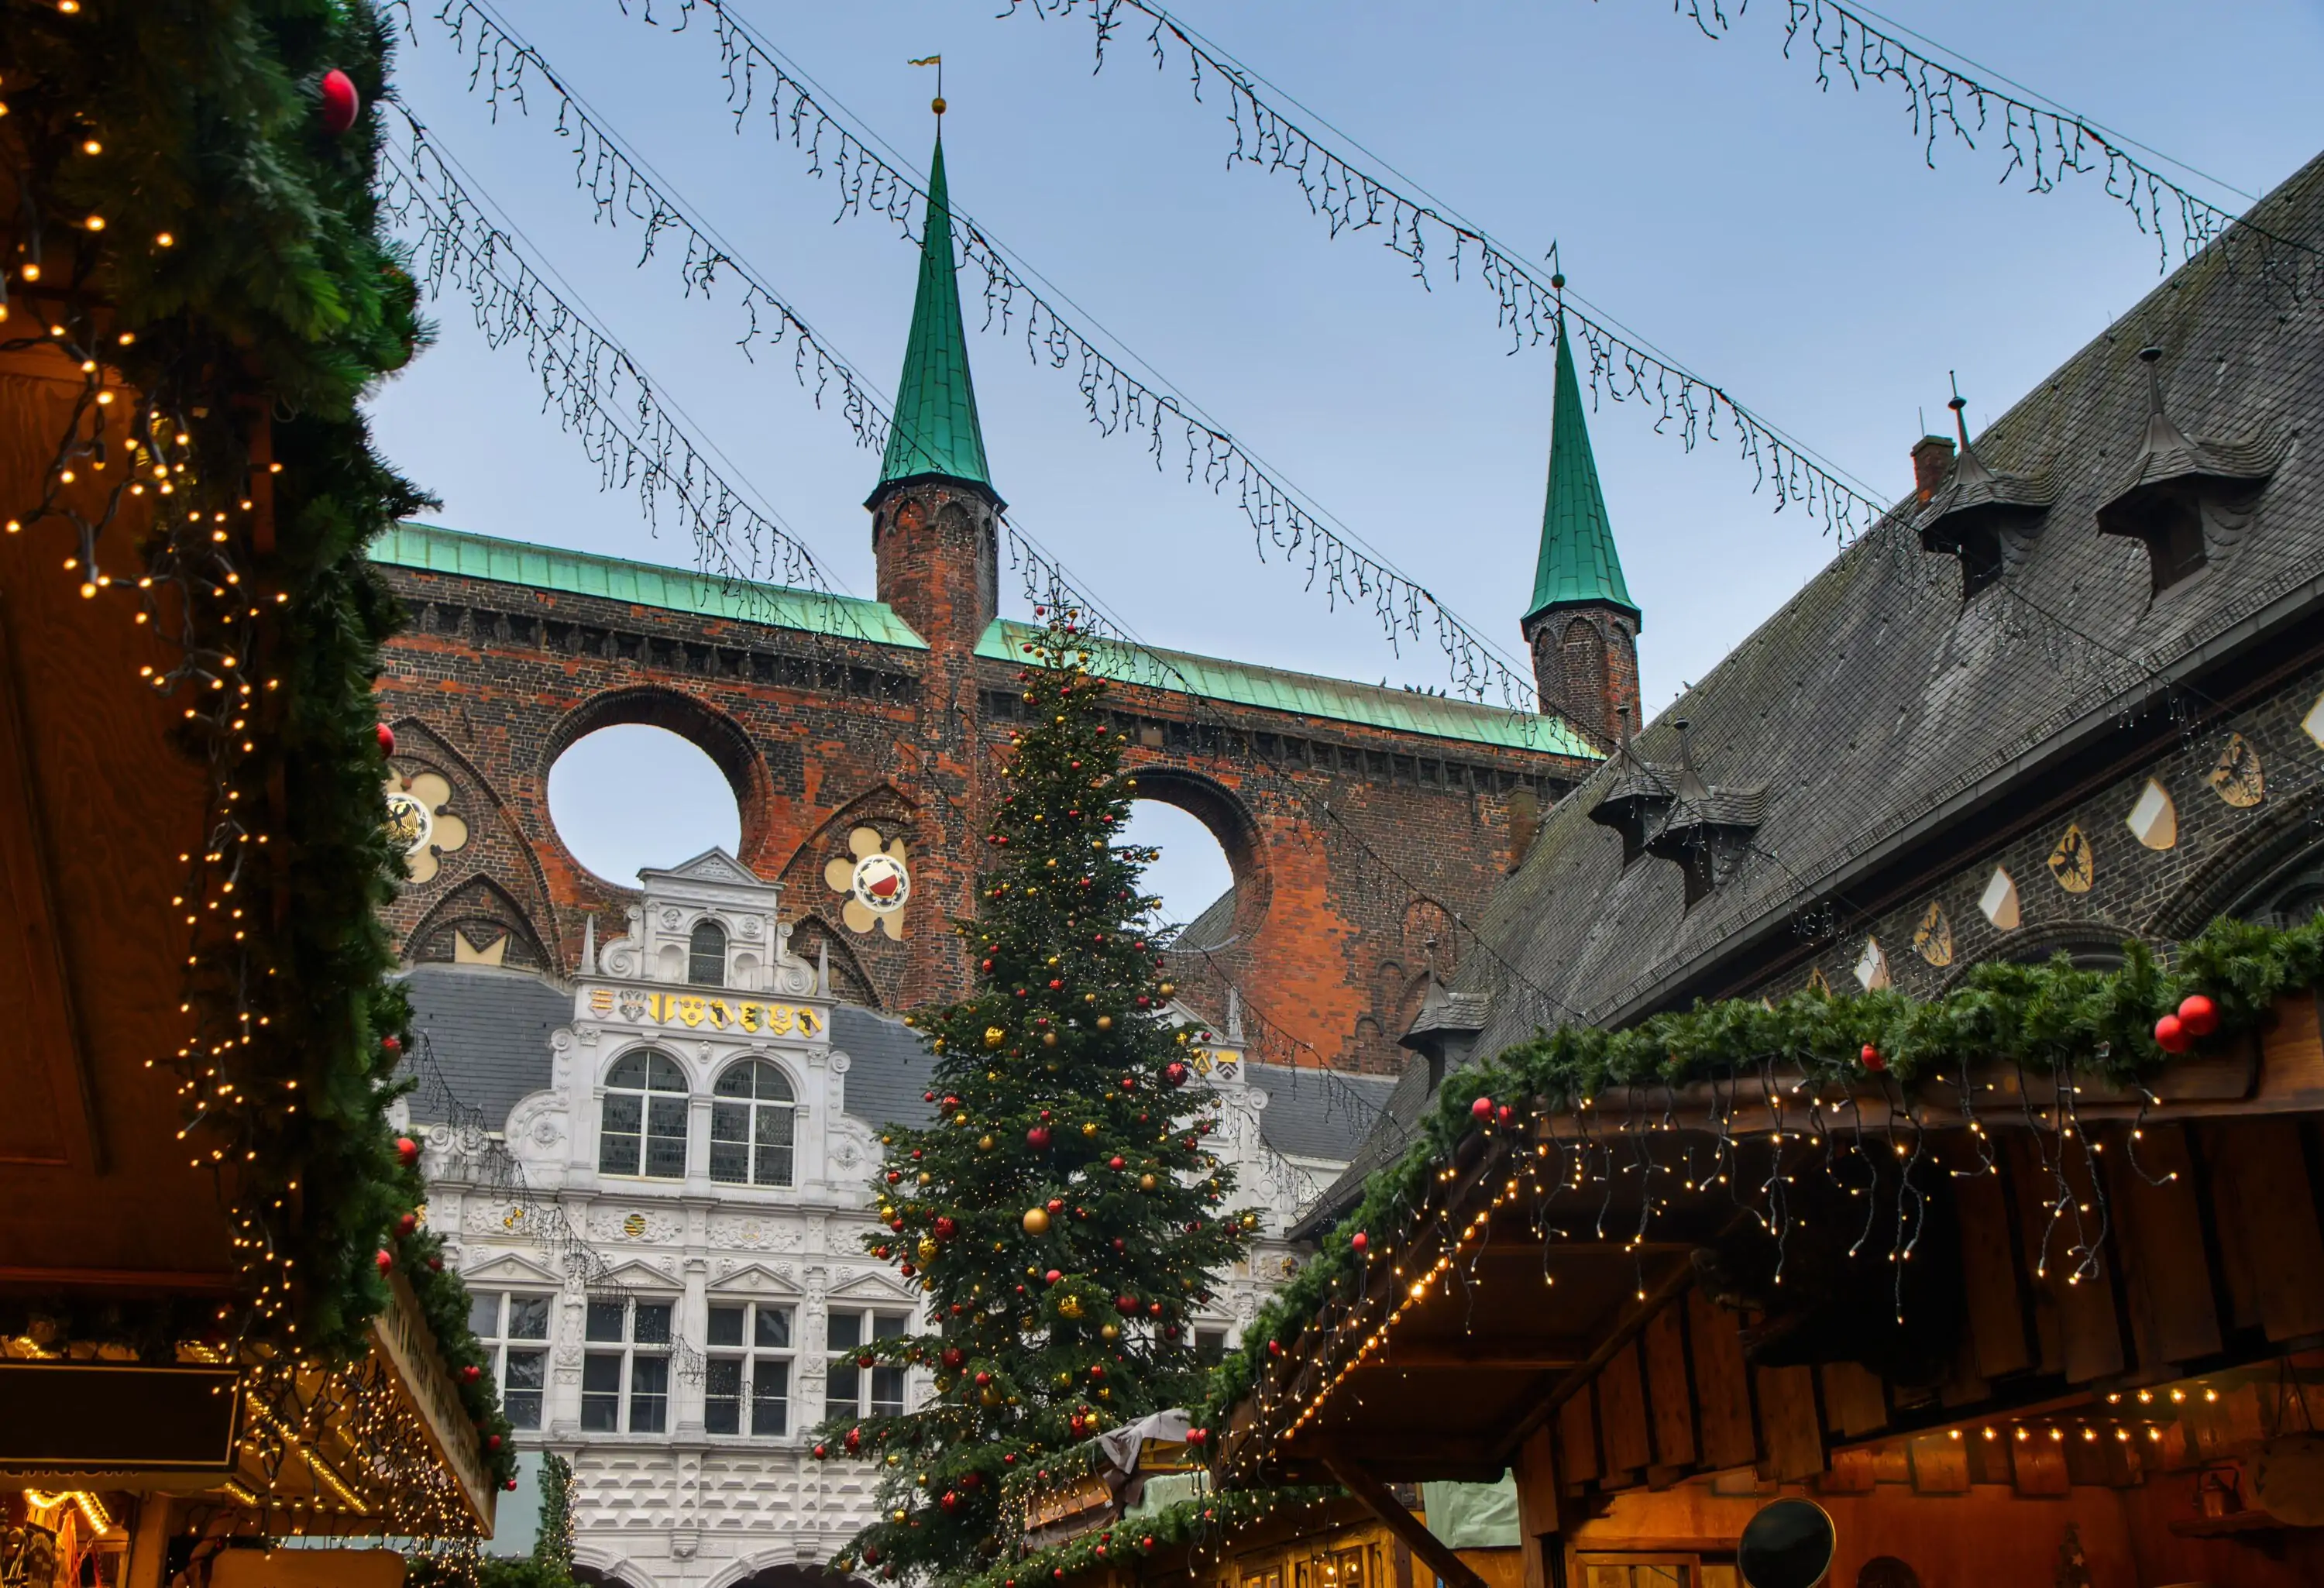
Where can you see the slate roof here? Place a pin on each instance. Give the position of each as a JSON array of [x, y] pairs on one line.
[[488, 1030], [434, 549], [1882, 715], [1179, 672], [1212, 927]]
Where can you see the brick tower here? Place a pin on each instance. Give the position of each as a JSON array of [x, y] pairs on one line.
[[1581, 625], [934, 518]]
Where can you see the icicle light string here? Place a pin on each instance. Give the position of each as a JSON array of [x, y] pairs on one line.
[[1348, 190], [2046, 142], [601, 395], [1285, 524], [469, 1136]]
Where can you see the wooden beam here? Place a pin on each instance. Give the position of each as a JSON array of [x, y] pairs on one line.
[[1377, 1499], [1633, 1319]]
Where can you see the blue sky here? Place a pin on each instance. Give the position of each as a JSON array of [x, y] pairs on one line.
[[1788, 243]]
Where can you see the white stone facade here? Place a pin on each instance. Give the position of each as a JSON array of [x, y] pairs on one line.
[[679, 1233]]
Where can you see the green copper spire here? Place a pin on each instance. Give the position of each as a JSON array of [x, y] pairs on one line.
[[936, 430], [1578, 562]]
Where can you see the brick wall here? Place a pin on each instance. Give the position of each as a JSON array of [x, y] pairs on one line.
[[491, 682]]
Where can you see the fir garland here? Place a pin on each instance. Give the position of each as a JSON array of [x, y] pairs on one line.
[[199, 236], [2049, 1020], [1207, 1518]]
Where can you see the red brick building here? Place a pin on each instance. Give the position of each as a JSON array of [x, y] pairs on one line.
[[1360, 822]]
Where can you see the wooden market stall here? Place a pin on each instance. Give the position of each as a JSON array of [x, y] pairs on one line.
[[2009, 1337]]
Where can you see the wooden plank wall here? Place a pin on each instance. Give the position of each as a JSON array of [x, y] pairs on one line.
[[2212, 1251]]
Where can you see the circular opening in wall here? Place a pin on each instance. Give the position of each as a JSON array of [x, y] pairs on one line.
[[633, 796], [1194, 878]]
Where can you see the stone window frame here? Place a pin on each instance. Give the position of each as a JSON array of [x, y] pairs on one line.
[[749, 1353], [637, 1360], [868, 1321], [502, 1344], [645, 1136], [757, 1106]]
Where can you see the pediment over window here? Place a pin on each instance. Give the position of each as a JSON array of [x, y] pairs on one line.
[[755, 1278], [509, 1269], [637, 1276], [872, 1287], [714, 866]]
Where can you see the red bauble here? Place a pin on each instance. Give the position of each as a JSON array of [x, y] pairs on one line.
[[1174, 1073], [2171, 1035], [385, 1258], [407, 1224], [822, 1451], [947, 1229], [2198, 1015], [1115, 1163], [470, 1374], [510, 1484], [1482, 1109], [1274, 1348], [1198, 1435], [341, 102], [907, 1270], [1037, 1138], [386, 739], [435, 1265], [1057, 1204], [390, 1045], [1127, 1305], [1872, 1059], [951, 1502], [982, 1379], [856, 1442], [1052, 1277], [493, 1443], [408, 1150], [1359, 1240], [954, 1356]]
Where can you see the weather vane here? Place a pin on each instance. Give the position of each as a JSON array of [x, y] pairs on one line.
[[937, 104]]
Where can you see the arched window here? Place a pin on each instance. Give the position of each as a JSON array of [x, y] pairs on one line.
[[645, 1119], [706, 954], [750, 1126]]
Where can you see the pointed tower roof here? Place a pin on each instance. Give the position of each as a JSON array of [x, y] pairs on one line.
[[1578, 561], [936, 430]]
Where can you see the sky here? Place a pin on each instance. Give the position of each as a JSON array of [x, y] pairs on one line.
[[1790, 244]]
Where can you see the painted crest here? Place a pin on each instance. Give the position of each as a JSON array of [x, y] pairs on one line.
[[877, 880]]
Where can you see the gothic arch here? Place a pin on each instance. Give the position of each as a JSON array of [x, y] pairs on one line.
[[419, 740], [2090, 945], [816, 940], [494, 927], [1229, 820], [1582, 665], [2260, 877], [729, 746]]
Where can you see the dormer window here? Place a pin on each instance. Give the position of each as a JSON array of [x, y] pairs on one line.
[[1708, 828], [644, 1131], [2183, 494], [706, 957], [753, 1125], [1980, 516]]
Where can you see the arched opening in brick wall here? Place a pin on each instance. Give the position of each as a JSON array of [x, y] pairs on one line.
[[1210, 878], [633, 795]]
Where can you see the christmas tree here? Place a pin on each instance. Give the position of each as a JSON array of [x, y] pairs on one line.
[[1064, 1213]]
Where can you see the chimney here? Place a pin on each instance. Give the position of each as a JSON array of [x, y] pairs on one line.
[[1933, 456]]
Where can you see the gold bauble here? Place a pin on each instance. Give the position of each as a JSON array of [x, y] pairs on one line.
[[1145, 1182], [984, 1143], [1090, 1128], [959, 1119], [1106, 1022], [1105, 1394], [1048, 1038], [927, 1249], [994, 1036], [988, 1396], [1036, 1220], [1112, 1330], [924, 1177], [1168, 988], [1069, 1307]]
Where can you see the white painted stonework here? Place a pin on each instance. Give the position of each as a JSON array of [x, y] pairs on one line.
[[681, 1504]]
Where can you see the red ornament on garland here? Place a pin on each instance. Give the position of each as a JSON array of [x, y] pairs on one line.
[[493, 1443], [341, 102], [385, 1258], [386, 739], [392, 1044], [2198, 1015], [822, 1453], [1481, 1110], [408, 1150], [510, 1484], [470, 1374], [1274, 1348], [1872, 1059], [2171, 1035], [1198, 1435], [1505, 1113], [407, 1224], [1359, 1241]]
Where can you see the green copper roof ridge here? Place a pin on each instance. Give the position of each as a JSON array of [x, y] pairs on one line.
[[1578, 561], [1317, 694], [935, 433], [529, 565]]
